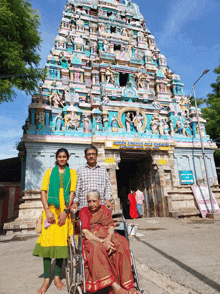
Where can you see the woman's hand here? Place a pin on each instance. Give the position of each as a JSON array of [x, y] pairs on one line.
[[109, 246], [62, 218], [50, 216], [74, 206]]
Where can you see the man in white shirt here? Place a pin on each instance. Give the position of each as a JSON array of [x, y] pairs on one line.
[[139, 202]]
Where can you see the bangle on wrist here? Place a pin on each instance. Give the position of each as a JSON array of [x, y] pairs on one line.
[[47, 208], [67, 211]]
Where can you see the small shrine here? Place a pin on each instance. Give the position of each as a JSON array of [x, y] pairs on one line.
[[109, 85]]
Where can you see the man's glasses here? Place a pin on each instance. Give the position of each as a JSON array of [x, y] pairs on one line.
[[89, 154]]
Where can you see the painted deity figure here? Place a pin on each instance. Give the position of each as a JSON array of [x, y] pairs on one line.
[[105, 46], [73, 121], [98, 123], [102, 28], [153, 125], [40, 115], [140, 78], [138, 122], [124, 32], [105, 123], [128, 122], [71, 96], [187, 128], [63, 61], [161, 127], [105, 100], [86, 124], [114, 124], [179, 126], [70, 38], [157, 105], [58, 121], [129, 49], [184, 104], [165, 127], [162, 88], [101, 11], [171, 128], [122, 55], [110, 75], [144, 78], [202, 128], [55, 96]]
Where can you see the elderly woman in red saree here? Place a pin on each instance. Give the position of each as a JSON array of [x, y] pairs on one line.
[[132, 204], [107, 254]]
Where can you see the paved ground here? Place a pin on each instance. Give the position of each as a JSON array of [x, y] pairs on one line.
[[172, 256], [185, 251]]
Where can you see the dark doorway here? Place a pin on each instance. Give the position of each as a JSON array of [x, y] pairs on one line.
[[117, 47], [123, 78], [133, 172], [113, 29]]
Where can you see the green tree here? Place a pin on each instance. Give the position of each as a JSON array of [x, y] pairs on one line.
[[212, 114], [200, 101], [19, 44]]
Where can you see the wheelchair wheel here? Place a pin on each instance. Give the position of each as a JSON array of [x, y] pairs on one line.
[[79, 290], [69, 265], [71, 262]]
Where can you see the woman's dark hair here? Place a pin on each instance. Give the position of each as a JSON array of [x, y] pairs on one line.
[[62, 150], [91, 147]]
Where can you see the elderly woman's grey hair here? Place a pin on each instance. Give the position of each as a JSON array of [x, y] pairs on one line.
[[94, 192]]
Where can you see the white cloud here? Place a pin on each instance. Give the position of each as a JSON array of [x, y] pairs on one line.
[[181, 11], [10, 155]]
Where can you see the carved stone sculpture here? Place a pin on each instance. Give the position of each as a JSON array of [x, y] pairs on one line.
[[110, 75], [86, 124], [138, 122], [153, 125], [114, 124], [128, 122], [58, 121], [98, 123], [73, 121]]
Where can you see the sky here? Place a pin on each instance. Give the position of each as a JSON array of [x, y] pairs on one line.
[[186, 32]]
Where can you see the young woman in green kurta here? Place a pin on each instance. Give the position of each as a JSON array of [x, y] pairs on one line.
[[57, 193]]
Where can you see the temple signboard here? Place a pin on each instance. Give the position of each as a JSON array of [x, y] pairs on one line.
[[186, 177], [135, 145]]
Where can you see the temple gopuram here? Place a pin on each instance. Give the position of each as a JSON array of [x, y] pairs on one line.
[[109, 85]]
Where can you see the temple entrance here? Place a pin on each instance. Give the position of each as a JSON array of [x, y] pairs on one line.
[[134, 170]]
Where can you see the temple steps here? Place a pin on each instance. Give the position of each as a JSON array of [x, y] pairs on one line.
[[181, 201]]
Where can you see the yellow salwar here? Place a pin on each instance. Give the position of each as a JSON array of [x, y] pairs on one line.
[[52, 241]]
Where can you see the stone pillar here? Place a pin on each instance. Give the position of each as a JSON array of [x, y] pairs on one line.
[[113, 180], [102, 72], [23, 167], [81, 77], [47, 117], [71, 75], [33, 111]]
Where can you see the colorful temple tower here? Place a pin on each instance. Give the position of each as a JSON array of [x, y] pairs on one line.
[[108, 84]]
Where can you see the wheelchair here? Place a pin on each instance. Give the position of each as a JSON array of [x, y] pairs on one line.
[[74, 264]]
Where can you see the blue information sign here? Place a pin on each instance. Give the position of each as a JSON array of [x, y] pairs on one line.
[[186, 177]]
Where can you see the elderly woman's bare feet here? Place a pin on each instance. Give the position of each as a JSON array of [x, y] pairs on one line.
[[45, 286], [133, 291], [58, 283], [118, 289]]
